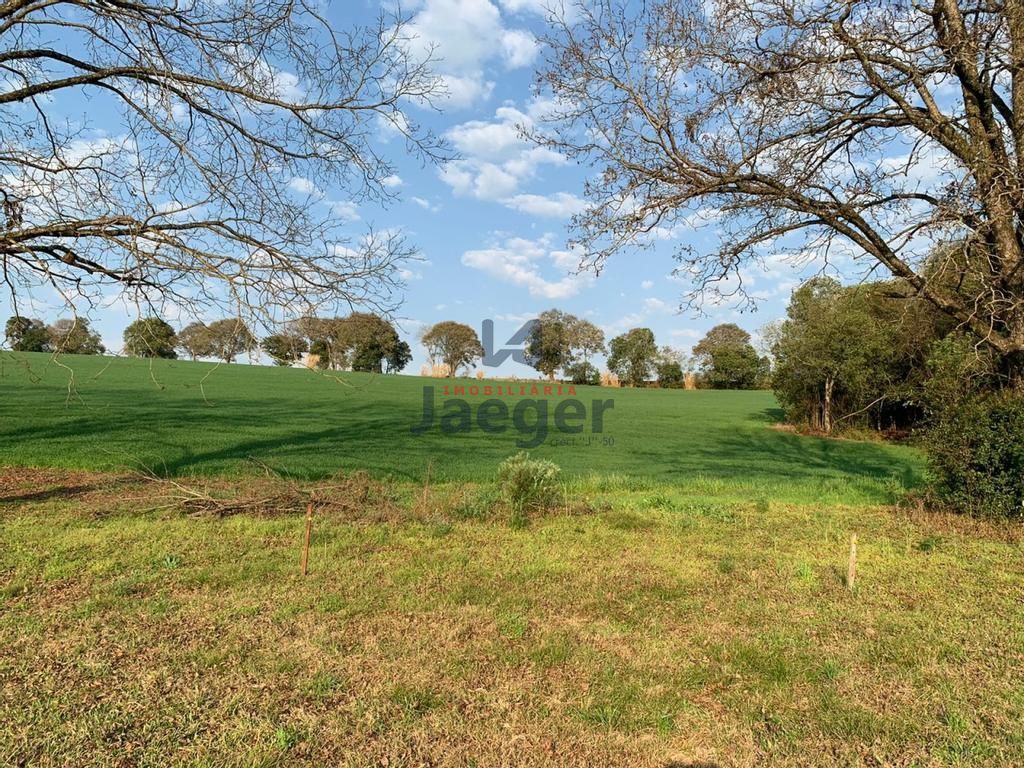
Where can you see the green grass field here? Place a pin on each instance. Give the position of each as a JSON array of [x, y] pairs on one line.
[[183, 418], [657, 629], [685, 606]]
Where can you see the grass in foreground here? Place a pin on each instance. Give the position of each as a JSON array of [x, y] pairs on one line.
[[184, 419], [654, 627]]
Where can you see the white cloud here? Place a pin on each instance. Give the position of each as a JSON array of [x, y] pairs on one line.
[[560, 205], [286, 86], [513, 318], [647, 285], [344, 209], [496, 161], [519, 261], [519, 48], [624, 323], [464, 91], [540, 7], [656, 305], [392, 181], [685, 333], [304, 186], [467, 36], [425, 204]]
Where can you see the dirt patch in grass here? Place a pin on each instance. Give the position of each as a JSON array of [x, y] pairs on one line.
[[23, 484]]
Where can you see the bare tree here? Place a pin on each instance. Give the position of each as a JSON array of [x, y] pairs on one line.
[[869, 130], [232, 118]]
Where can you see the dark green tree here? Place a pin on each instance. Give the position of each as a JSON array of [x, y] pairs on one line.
[[557, 340], [633, 355], [398, 358], [26, 334], [670, 374], [848, 356], [549, 343], [284, 348], [150, 337], [367, 340], [727, 359], [975, 437], [583, 373]]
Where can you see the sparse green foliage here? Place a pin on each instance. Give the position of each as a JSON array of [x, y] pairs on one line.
[[529, 485], [230, 338], [75, 337], [194, 340], [150, 337]]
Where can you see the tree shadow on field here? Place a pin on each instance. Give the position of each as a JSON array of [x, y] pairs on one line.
[[60, 492], [310, 432], [770, 416], [790, 456]]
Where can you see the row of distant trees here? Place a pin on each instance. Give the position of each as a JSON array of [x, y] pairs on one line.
[[359, 342], [559, 342], [72, 336]]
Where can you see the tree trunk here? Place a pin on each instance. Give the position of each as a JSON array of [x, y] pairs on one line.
[[826, 411]]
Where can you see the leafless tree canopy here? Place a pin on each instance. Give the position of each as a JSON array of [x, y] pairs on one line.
[[879, 127], [229, 118]]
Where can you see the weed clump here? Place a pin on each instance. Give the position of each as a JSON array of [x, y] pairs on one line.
[[528, 485]]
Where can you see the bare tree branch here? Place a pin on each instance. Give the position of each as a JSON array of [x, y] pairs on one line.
[[879, 127], [233, 119]]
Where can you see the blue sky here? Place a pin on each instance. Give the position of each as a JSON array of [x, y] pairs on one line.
[[492, 226]]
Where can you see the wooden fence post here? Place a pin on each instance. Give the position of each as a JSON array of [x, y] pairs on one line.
[[305, 545], [851, 568]]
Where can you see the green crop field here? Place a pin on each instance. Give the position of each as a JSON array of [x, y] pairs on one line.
[[184, 418], [684, 604]]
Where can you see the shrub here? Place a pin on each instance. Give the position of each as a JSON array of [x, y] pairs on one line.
[[583, 373], [975, 438], [975, 451], [670, 375], [529, 484]]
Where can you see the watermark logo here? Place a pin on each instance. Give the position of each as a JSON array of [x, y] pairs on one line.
[[494, 357], [523, 407]]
